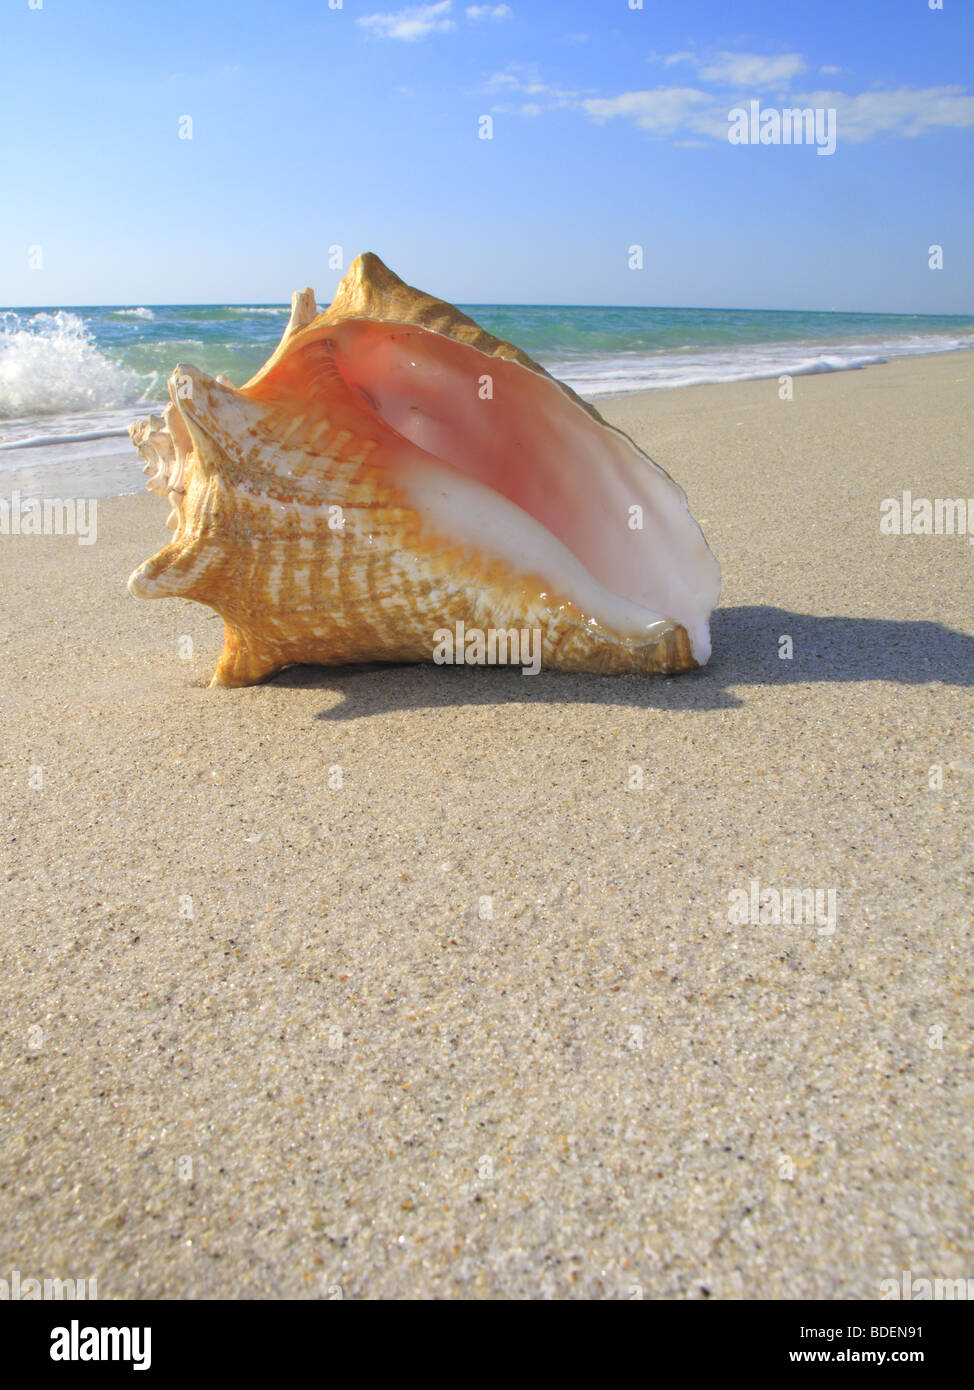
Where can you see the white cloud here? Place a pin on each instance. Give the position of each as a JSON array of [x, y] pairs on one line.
[[830, 69], [738, 69], [686, 111], [752, 69], [664, 110], [689, 113], [905, 112], [410, 24], [489, 12], [518, 77], [418, 21], [525, 79]]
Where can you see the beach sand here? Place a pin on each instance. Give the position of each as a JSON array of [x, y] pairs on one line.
[[476, 1022]]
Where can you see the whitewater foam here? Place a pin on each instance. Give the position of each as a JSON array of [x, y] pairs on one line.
[[49, 364], [619, 374]]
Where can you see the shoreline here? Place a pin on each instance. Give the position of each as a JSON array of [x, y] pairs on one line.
[[100, 474], [490, 1015], [774, 376]]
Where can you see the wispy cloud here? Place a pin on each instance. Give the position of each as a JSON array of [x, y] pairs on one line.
[[691, 115], [518, 77], [752, 69], [664, 110], [668, 59], [489, 12], [524, 79], [419, 21], [905, 112], [739, 69], [411, 24]]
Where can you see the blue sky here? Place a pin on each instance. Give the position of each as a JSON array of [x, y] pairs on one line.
[[357, 126]]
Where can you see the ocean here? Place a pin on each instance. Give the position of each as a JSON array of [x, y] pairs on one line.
[[72, 379]]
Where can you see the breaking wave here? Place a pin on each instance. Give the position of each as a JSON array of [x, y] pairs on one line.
[[49, 364]]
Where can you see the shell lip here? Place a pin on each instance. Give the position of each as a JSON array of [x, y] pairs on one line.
[[625, 569]]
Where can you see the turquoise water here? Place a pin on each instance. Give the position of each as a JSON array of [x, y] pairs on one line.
[[86, 371], [565, 328], [52, 362]]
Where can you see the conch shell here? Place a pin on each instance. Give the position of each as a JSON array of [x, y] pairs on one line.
[[394, 471]]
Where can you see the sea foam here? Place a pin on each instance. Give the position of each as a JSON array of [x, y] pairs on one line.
[[49, 364]]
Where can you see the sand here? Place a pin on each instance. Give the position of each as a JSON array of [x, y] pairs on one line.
[[476, 1023]]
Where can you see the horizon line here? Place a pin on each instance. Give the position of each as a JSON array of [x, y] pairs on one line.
[[505, 304]]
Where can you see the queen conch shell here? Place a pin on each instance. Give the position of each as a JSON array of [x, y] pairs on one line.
[[394, 471]]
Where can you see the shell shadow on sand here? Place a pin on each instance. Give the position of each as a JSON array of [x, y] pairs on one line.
[[746, 644]]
